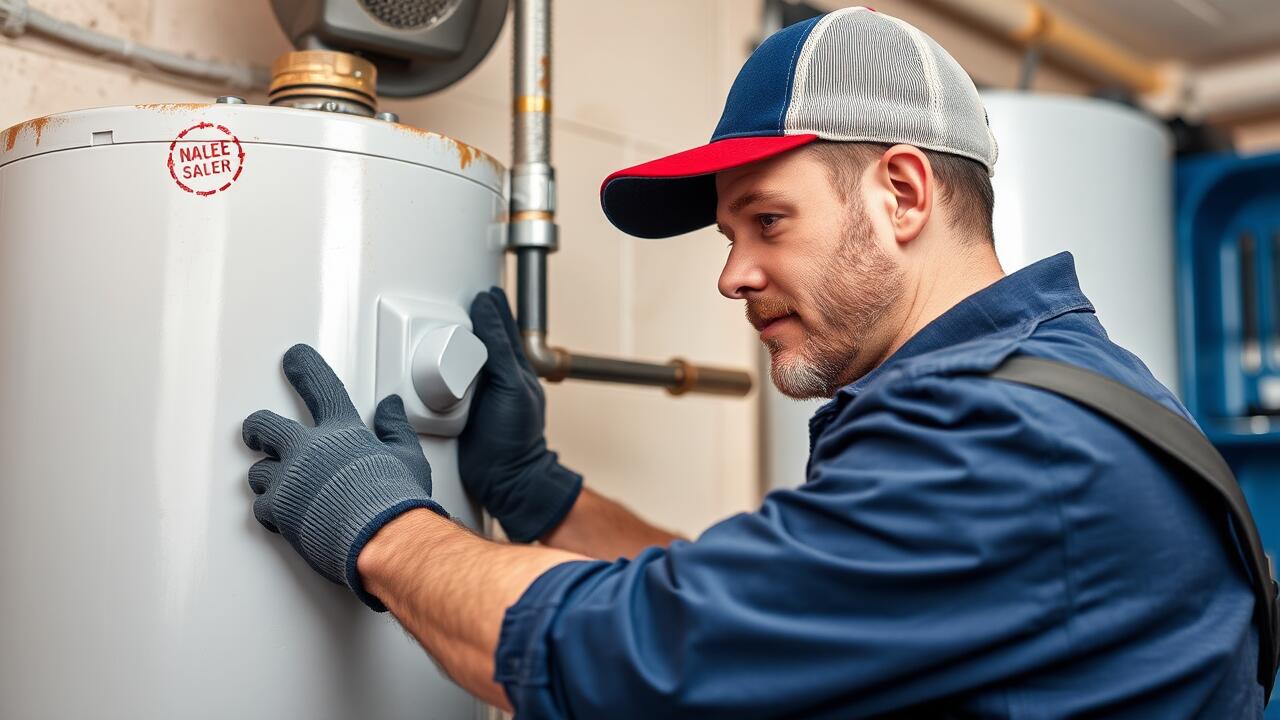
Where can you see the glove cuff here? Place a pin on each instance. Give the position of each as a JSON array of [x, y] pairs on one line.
[[556, 490], [367, 532]]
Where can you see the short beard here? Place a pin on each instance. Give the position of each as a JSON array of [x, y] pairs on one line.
[[851, 294]]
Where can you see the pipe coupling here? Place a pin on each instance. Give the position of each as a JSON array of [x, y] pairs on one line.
[[707, 379], [533, 188], [1037, 27], [686, 377], [531, 229]]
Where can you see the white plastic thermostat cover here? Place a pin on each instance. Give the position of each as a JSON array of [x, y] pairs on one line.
[[445, 363], [428, 356]]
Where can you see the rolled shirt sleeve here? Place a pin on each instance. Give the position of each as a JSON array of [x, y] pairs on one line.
[[923, 557]]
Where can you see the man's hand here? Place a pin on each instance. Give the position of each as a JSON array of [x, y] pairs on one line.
[[329, 488], [502, 454]]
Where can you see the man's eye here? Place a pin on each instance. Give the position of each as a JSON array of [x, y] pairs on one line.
[[768, 220]]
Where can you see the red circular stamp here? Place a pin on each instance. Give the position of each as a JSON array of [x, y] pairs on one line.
[[205, 159]]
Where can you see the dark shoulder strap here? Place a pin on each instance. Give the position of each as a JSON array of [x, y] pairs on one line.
[[1181, 441]]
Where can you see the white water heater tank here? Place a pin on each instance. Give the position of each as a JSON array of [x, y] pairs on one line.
[[1089, 176], [1094, 177], [155, 263]]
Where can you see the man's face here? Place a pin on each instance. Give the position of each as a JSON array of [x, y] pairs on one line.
[[818, 277]]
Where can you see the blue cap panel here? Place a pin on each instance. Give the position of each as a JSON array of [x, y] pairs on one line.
[[757, 103]]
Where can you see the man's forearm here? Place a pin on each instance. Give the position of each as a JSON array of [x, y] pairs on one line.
[[603, 529], [451, 589]]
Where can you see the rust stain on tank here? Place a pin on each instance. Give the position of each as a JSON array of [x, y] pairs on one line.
[[36, 126], [467, 154], [544, 81], [172, 107]]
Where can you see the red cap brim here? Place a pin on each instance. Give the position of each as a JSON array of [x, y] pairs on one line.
[[677, 194]]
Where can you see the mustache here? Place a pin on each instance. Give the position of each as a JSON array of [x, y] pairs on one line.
[[763, 310]]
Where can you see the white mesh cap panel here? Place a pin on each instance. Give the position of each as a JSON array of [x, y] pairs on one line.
[[865, 76], [965, 130]]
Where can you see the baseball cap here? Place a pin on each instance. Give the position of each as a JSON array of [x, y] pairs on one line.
[[853, 75]]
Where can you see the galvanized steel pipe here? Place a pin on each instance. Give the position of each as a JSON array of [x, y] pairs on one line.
[[533, 234], [17, 18]]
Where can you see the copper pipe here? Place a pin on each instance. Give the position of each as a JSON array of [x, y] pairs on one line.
[[1029, 23]]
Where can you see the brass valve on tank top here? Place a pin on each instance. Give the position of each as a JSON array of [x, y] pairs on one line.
[[325, 80]]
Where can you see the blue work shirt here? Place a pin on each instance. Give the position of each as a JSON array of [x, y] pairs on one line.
[[962, 547]]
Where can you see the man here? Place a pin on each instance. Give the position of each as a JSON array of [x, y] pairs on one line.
[[962, 547]]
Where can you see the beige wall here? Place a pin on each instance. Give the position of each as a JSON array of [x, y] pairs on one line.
[[633, 79]]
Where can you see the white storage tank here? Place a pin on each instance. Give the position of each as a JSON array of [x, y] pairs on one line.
[[155, 263], [1094, 177], [1089, 176]]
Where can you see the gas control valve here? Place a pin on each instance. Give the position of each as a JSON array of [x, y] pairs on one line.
[[428, 356]]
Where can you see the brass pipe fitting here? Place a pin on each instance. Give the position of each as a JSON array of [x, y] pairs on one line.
[[309, 78]]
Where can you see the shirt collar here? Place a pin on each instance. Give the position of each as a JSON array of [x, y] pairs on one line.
[[1024, 299]]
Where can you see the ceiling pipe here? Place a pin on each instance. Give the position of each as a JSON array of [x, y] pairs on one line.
[[1030, 24], [1236, 89], [17, 18], [533, 233], [1227, 91]]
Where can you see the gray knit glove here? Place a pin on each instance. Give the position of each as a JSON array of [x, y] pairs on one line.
[[328, 489]]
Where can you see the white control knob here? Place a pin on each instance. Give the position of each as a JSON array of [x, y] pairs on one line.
[[446, 362]]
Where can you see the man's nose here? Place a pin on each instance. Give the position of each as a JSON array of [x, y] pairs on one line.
[[741, 276]]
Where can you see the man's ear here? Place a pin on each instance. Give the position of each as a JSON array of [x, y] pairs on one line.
[[906, 172]]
